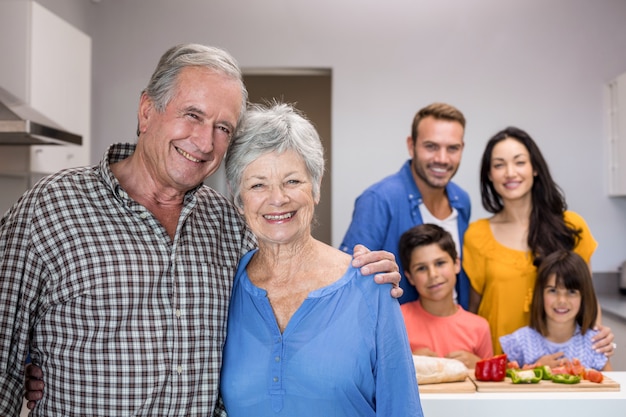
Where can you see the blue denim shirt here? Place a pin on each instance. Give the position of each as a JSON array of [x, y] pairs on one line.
[[390, 207]]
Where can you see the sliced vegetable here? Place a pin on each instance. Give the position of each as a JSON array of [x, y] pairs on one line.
[[546, 372], [566, 379], [528, 376], [594, 376], [491, 369], [559, 370], [510, 371]]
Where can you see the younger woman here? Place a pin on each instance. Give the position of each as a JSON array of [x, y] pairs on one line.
[[530, 220], [563, 312]]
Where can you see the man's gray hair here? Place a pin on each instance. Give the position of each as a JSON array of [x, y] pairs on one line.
[[162, 84]]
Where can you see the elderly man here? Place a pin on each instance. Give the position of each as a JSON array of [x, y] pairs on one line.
[[116, 278]]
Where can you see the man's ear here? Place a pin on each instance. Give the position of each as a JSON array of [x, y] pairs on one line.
[[410, 146], [146, 108]]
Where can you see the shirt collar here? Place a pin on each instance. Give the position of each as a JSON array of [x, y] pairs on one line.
[[118, 152]]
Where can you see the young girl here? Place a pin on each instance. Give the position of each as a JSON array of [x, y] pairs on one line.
[[563, 312]]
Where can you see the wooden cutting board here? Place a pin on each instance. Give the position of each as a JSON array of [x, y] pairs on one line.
[[448, 387], [544, 386]]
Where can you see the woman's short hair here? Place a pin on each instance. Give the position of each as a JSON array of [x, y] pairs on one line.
[[278, 127]]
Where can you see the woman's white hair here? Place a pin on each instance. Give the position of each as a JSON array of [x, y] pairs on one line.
[[278, 127]]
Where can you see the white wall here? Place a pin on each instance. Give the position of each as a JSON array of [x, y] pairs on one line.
[[541, 65]]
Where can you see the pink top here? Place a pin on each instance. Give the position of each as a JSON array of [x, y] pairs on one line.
[[461, 331]]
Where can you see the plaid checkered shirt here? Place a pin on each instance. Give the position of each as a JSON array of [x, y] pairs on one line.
[[122, 319]]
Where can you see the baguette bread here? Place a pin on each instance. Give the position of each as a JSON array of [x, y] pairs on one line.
[[432, 370]]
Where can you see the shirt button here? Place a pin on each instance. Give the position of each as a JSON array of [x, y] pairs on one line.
[[275, 379], [179, 369], [178, 313], [277, 358], [144, 215]]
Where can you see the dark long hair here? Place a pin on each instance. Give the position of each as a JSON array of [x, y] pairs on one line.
[[548, 231]]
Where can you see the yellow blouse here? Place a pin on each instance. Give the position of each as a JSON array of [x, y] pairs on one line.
[[506, 277]]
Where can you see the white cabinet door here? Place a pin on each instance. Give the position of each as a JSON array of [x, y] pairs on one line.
[[14, 23], [617, 138], [60, 87]]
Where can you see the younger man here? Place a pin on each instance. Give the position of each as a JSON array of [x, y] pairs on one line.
[[422, 191], [435, 324]]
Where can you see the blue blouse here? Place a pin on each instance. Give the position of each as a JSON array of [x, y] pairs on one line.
[[526, 346], [344, 352]]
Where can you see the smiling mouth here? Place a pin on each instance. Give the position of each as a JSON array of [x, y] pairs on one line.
[[512, 184], [435, 286], [439, 170], [279, 216], [186, 155]]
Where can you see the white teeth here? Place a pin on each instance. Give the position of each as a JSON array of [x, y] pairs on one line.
[[280, 217], [186, 155]]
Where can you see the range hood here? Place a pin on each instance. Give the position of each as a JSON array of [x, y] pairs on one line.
[[21, 125]]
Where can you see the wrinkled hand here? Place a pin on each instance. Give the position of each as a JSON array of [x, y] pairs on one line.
[[603, 341], [33, 385], [381, 263], [468, 358]]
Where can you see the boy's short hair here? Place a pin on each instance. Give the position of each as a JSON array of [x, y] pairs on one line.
[[423, 235]]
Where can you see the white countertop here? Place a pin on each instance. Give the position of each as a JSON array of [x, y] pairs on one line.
[[525, 404]]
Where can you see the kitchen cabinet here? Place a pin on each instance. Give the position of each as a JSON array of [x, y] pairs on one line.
[[614, 316], [14, 176], [49, 73], [46, 69], [617, 136], [618, 327]]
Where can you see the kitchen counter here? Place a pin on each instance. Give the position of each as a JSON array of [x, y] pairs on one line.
[[614, 304], [523, 404]]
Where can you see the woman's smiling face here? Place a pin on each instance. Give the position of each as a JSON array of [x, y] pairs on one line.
[[511, 170], [277, 197]]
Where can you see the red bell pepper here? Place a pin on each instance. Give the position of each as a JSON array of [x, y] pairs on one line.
[[491, 369]]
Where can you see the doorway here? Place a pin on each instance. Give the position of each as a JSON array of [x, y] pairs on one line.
[[309, 90]]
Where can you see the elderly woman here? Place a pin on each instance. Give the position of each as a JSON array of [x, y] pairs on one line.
[[346, 349], [307, 335]]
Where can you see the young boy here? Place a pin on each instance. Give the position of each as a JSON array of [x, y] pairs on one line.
[[436, 325]]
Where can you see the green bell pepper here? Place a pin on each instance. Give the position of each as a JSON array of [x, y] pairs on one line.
[[565, 379], [546, 372], [528, 376]]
